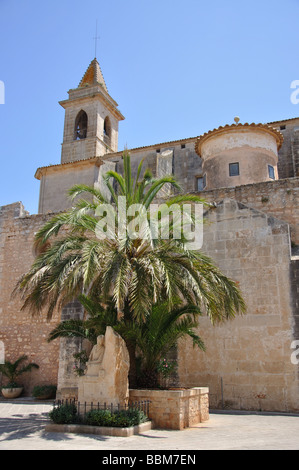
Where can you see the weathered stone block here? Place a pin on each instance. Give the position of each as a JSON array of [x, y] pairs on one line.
[[184, 408], [106, 378]]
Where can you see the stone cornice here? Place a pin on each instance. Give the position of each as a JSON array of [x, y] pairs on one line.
[[96, 161], [93, 92]]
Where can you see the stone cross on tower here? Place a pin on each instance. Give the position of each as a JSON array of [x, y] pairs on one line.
[[96, 40]]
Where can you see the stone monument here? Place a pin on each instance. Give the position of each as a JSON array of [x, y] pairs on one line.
[[106, 377]]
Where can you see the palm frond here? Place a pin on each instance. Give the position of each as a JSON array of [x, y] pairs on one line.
[[136, 274], [118, 178], [157, 186], [79, 189], [70, 329]]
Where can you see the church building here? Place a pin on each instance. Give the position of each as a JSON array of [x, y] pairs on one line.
[[250, 172]]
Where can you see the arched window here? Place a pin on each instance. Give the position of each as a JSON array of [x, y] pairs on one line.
[[81, 126], [107, 131]]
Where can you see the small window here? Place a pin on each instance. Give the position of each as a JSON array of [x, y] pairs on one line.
[[282, 128], [201, 182], [234, 169], [158, 150], [183, 146], [271, 172]]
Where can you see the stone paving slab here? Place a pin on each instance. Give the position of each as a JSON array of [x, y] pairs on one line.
[[22, 427]]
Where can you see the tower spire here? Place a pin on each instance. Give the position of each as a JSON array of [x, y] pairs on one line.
[[93, 75]]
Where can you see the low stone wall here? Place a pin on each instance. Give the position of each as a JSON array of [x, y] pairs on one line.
[[175, 409], [99, 430]]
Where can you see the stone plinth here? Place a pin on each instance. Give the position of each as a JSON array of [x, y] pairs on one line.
[[175, 409]]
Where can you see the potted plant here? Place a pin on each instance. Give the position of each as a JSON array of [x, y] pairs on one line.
[[13, 370], [44, 392]]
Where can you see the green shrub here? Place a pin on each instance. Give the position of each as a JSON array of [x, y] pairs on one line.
[[64, 414], [99, 418], [67, 414], [133, 417], [119, 419], [44, 390], [12, 385]]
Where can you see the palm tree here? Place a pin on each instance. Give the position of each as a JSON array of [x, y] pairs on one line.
[[154, 337], [13, 370], [135, 272], [160, 333]]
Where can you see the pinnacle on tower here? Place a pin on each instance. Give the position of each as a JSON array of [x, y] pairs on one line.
[[93, 76]]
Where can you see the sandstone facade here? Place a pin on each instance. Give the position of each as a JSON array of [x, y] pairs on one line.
[[247, 364], [19, 333]]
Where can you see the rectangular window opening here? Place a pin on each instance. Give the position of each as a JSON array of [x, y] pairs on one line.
[[271, 172], [234, 169], [201, 182]]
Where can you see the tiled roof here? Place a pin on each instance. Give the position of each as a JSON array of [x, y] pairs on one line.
[[283, 120], [200, 138], [162, 144], [220, 130]]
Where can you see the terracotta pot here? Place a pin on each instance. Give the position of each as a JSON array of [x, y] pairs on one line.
[[11, 392]]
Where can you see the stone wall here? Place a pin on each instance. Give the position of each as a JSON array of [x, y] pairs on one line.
[[288, 157], [279, 199], [186, 164], [67, 383], [56, 184], [175, 409], [57, 180], [247, 358], [294, 275], [187, 168], [20, 333]]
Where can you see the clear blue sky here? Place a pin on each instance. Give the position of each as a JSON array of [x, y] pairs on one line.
[[176, 68]]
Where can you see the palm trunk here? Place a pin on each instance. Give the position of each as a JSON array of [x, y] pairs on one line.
[[132, 371], [131, 346], [149, 378]]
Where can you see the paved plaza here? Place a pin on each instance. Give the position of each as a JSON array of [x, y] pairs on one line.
[[22, 427]]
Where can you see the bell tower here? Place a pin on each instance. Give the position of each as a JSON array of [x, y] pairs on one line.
[[91, 118]]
